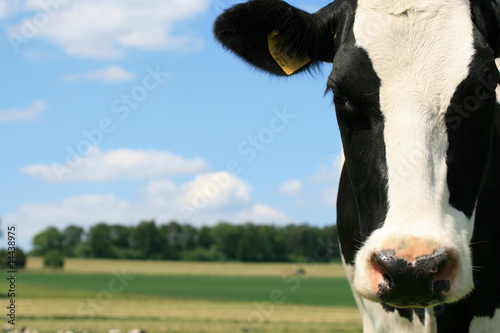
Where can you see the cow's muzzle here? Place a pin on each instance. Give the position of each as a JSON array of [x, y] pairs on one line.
[[422, 282]]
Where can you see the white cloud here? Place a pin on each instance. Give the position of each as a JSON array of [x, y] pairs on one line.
[[9, 7], [75, 209], [205, 199], [27, 114], [161, 200], [318, 190], [327, 179], [85, 210], [328, 173], [107, 28], [97, 166], [259, 212], [4, 8], [291, 187], [208, 199], [329, 195], [214, 191], [112, 74]]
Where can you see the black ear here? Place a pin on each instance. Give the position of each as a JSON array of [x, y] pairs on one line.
[[277, 37], [486, 17]]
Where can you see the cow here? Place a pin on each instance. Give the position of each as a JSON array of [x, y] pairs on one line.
[[414, 85]]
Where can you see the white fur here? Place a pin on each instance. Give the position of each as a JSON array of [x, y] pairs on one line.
[[486, 324], [421, 50], [497, 62], [376, 319]]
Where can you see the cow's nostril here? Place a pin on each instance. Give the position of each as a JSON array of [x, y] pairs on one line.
[[442, 286], [388, 261], [433, 263], [420, 282]]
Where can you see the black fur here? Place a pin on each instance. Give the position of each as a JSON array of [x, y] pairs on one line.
[[470, 127], [407, 313], [244, 28], [486, 17], [361, 126], [362, 194], [348, 226], [485, 247]]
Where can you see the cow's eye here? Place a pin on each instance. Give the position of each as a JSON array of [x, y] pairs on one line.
[[339, 100], [339, 96]]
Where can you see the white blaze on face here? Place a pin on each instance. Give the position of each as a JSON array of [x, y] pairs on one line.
[[421, 51]]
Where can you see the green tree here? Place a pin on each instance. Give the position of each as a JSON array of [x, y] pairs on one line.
[[146, 239], [202, 254], [83, 250], [99, 241], [53, 259], [270, 248], [302, 242], [205, 239], [189, 237], [49, 239], [20, 259], [258, 243], [120, 236], [121, 243], [73, 236], [176, 238], [171, 241], [249, 246], [329, 244], [281, 243], [227, 238]]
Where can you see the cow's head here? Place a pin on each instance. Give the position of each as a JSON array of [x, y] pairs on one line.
[[414, 92]]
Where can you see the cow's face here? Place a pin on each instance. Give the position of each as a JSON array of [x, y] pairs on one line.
[[414, 93]]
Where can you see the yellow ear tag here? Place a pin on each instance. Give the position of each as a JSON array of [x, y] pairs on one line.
[[288, 63]]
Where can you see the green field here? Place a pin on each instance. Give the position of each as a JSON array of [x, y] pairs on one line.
[[124, 298]]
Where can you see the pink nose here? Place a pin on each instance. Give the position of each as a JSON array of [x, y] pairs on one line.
[[421, 282]]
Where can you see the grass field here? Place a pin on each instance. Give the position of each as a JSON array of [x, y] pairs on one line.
[[90, 266], [100, 295]]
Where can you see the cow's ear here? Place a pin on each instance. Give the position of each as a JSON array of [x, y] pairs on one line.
[[277, 37], [486, 18]]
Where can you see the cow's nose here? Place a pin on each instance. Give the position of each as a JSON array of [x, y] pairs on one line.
[[421, 282]]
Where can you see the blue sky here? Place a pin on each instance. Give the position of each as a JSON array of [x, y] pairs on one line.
[[122, 111]]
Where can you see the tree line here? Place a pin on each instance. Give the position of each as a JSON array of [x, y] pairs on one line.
[[174, 241]]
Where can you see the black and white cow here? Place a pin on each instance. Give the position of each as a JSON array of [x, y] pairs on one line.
[[419, 197]]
